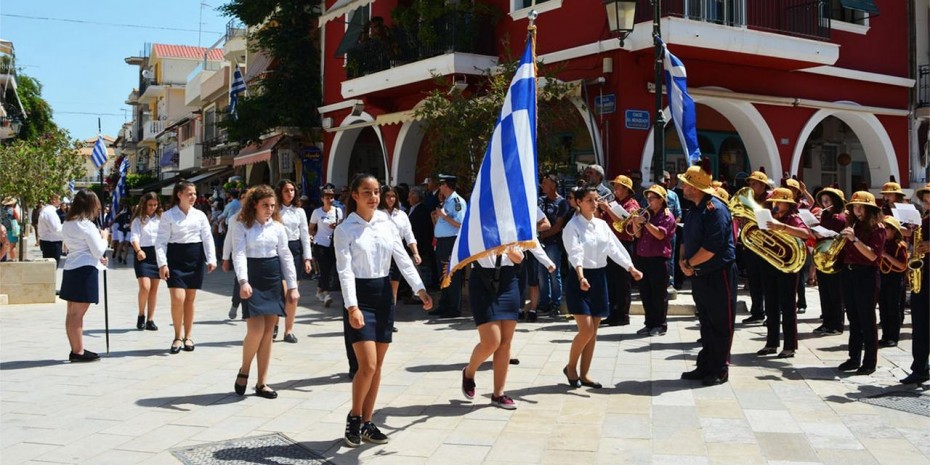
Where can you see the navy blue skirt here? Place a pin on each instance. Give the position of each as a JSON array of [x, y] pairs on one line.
[[147, 268], [186, 264], [80, 285], [267, 290], [591, 302], [375, 300], [490, 305], [297, 250]]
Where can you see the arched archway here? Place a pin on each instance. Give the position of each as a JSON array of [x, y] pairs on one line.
[[875, 141], [340, 155], [749, 124]]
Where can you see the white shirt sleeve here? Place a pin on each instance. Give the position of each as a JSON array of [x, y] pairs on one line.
[[617, 252], [406, 266], [135, 232], [304, 235], [227, 241], [406, 229], [237, 231], [541, 256], [344, 267], [161, 241], [286, 259], [206, 236], [574, 248]]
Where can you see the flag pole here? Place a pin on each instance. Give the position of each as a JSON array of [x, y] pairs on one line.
[[106, 300]]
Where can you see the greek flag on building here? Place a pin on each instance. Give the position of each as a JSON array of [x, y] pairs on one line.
[[502, 208], [680, 104], [237, 86], [120, 190], [99, 154]]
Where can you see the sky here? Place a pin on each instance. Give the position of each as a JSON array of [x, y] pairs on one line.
[[80, 61]]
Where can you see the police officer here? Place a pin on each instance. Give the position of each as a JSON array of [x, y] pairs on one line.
[[448, 217], [707, 256]]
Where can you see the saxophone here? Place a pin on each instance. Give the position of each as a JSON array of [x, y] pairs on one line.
[[916, 264], [783, 251]]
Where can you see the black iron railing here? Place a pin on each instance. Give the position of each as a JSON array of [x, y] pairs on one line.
[[923, 86], [456, 32], [800, 18]]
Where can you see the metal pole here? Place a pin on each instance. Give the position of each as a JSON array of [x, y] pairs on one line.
[[106, 311], [658, 153]]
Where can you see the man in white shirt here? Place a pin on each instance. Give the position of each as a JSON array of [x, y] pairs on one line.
[[50, 230]]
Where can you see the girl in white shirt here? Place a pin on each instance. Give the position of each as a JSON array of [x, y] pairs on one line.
[[294, 220], [588, 243], [323, 222], [390, 206], [143, 232], [183, 246], [365, 243], [262, 260], [86, 248]]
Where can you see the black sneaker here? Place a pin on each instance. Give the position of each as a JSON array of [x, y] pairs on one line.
[[468, 386], [371, 433], [849, 365], [532, 316], [140, 322], [820, 330], [87, 356], [644, 330], [353, 436]]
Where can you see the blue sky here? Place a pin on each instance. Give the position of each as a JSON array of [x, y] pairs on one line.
[[80, 64]]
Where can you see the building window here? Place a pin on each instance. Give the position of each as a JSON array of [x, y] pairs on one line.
[[520, 8], [530, 3], [838, 12], [209, 125]]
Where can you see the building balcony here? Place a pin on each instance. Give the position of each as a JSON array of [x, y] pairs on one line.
[[193, 91], [235, 46], [923, 91], [151, 129], [191, 155]]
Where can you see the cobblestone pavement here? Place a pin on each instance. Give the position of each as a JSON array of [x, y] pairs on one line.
[[139, 403]]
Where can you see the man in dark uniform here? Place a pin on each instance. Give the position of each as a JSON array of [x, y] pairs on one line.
[[708, 257], [448, 217]]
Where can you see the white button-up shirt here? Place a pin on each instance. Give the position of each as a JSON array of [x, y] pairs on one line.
[[364, 250], [49, 224], [589, 243], [85, 245], [144, 234], [176, 227], [294, 220], [323, 221], [261, 241], [400, 219]]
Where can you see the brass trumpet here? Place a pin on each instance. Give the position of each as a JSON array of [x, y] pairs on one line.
[[916, 263], [626, 225]]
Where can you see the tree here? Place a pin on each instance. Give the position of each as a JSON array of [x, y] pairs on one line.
[[289, 95], [38, 119], [39, 168]]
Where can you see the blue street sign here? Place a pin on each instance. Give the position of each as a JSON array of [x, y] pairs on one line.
[[637, 119], [604, 104]]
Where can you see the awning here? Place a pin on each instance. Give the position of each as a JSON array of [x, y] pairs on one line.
[[258, 64], [340, 8], [154, 186], [208, 176], [386, 119], [867, 6], [256, 153], [353, 32]]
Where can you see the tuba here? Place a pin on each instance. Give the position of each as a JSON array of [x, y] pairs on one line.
[[826, 253], [785, 252], [916, 263]]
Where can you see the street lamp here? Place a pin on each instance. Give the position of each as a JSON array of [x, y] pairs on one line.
[[620, 17]]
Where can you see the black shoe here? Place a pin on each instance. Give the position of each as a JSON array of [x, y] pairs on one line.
[[767, 350], [753, 319], [831, 332], [393, 329], [240, 388], [265, 391], [436, 312], [353, 437], [188, 347], [371, 433], [468, 386], [515, 361], [802, 310], [575, 383], [290, 337], [820, 330], [864, 370], [713, 380], [274, 335], [176, 348], [591, 384], [786, 354], [849, 365], [140, 322], [915, 378], [693, 375], [87, 356], [449, 315], [888, 343], [531, 316], [150, 325], [521, 316], [645, 330]]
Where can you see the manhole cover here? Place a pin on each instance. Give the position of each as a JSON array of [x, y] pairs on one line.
[[905, 401], [269, 449]]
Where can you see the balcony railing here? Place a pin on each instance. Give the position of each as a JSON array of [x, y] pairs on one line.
[[809, 19], [457, 32], [923, 86]]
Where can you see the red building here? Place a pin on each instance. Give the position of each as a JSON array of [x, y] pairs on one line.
[[825, 90]]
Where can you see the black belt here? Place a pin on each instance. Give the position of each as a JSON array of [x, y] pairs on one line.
[[854, 267]]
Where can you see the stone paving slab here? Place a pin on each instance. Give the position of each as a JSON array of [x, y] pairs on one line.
[[140, 403]]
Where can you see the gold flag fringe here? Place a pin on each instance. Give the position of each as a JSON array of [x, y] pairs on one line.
[[501, 249]]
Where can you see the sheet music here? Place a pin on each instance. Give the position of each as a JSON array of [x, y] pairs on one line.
[[807, 217], [763, 217], [824, 232], [618, 210], [906, 213]]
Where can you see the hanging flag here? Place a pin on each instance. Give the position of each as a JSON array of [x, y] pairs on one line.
[[235, 88], [502, 210], [71, 188], [120, 190], [680, 104], [99, 154]]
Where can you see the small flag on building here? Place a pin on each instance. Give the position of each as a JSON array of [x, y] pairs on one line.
[[502, 210], [99, 154], [235, 88], [680, 104]]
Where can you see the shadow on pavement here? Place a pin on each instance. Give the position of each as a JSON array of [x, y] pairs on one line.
[[203, 400], [23, 364]]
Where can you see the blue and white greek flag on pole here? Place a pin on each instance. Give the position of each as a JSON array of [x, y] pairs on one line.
[[99, 154], [237, 86], [680, 104], [120, 190], [502, 208], [71, 188]]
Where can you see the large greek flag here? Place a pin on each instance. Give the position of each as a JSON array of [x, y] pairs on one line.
[[237, 86], [120, 190], [680, 104], [99, 154], [502, 208]]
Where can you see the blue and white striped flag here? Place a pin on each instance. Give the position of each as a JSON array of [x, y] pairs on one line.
[[71, 188], [99, 154], [120, 190], [237, 86], [502, 208], [680, 104]]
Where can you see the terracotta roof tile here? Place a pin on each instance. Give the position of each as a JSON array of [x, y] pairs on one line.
[[186, 51]]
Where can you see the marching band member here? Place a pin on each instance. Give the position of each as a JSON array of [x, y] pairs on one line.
[[653, 251], [183, 247], [865, 240], [805, 201], [365, 244], [781, 287], [891, 194], [832, 216], [588, 243], [619, 290], [294, 220], [920, 305], [143, 232], [892, 264], [708, 257], [759, 183]]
